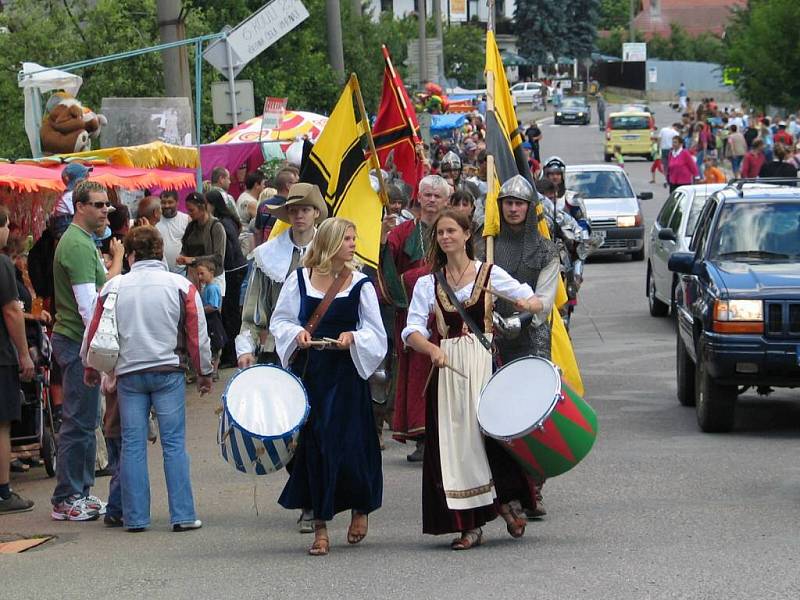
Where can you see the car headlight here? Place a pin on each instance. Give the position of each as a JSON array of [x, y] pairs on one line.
[[626, 221], [558, 114], [738, 310], [580, 114], [738, 316]]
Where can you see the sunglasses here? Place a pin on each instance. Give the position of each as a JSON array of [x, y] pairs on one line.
[[99, 204]]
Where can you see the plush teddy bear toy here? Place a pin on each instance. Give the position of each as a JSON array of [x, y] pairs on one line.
[[68, 126]]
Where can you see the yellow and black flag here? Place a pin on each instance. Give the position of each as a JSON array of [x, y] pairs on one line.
[[504, 143], [338, 165]]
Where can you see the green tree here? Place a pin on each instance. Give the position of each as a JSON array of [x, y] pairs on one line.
[[613, 13], [583, 16], [762, 42], [464, 54], [541, 27]]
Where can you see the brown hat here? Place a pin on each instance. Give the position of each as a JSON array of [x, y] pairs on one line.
[[301, 194]]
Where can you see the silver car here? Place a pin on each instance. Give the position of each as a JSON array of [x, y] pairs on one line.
[[612, 207], [672, 232]]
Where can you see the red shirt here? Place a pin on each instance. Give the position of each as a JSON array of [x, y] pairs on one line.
[[784, 137]]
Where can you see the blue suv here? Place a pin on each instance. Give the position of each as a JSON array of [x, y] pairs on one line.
[[738, 300]]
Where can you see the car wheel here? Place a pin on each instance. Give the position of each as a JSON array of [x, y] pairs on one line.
[[657, 307], [638, 255], [685, 374], [715, 404]]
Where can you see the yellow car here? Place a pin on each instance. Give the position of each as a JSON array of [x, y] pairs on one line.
[[633, 132]]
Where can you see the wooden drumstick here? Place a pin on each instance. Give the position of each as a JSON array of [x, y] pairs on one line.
[[430, 374]]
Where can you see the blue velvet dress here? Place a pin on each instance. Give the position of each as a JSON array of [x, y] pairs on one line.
[[337, 465]]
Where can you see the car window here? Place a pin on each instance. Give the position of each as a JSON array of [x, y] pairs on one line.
[[517, 87], [630, 122], [599, 184], [573, 103], [700, 233], [698, 202], [757, 231], [668, 208], [675, 220]]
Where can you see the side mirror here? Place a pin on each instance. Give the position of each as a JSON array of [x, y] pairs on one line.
[[645, 196], [667, 235], [681, 262]]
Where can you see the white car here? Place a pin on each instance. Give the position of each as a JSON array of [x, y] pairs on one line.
[[526, 92], [671, 232], [612, 205]]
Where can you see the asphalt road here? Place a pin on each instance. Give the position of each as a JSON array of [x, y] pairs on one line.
[[657, 510]]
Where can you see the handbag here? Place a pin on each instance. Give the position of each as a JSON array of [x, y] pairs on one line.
[[103, 352]]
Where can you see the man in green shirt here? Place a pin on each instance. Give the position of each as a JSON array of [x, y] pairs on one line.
[[78, 274]]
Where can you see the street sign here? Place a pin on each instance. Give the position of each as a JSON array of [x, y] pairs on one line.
[[634, 52], [221, 102], [272, 117], [255, 34]]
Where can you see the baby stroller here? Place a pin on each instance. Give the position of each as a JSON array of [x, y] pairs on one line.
[[34, 436]]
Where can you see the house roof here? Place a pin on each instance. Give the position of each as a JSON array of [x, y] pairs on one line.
[[695, 16]]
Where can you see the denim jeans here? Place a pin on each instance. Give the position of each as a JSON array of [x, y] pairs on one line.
[[665, 163], [165, 392], [80, 416], [114, 508]]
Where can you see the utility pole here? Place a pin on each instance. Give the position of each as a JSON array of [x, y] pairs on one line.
[[437, 16], [335, 48], [631, 15], [422, 17], [171, 27]]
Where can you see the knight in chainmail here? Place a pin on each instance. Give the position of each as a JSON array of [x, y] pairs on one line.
[[528, 258]]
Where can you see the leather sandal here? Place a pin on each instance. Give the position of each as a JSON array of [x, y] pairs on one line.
[[469, 539], [321, 544], [515, 520], [356, 534]]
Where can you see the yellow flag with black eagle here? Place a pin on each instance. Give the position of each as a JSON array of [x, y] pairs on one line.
[[338, 165], [504, 144]]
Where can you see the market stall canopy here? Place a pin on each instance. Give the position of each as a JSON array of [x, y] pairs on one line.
[[447, 122], [144, 156], [295, 124], [34, 178], [512, 59]]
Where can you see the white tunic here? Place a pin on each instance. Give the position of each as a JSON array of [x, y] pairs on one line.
[[369, 346], [424, 298]]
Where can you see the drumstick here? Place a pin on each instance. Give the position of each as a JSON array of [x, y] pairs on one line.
[[500, 295], [430, 374]]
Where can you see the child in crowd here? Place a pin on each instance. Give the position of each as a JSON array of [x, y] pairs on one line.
[[713, 174], [656, 166], [212, 303], [618, 157]]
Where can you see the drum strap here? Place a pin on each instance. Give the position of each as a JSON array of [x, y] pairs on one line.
[[327, 300], [462, 312]]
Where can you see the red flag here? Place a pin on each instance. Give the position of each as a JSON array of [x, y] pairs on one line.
[[396, 130]]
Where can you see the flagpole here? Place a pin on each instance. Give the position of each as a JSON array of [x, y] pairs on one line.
[[373, 154], [490, 172]]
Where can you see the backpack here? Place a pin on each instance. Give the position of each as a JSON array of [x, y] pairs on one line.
[[103, 352]]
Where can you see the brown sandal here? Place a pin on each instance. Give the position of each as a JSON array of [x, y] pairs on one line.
[[354, 534], [321, 544], [469, 539], [515, 520]]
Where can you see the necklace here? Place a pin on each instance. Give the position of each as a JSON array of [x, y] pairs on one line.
[[461, 275]]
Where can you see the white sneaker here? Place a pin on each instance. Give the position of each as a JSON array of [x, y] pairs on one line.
[[73, 509], [196, 524], [94, 503]]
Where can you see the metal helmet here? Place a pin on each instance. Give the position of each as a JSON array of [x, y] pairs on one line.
[[554, 163], [517, 187], [450, 162]]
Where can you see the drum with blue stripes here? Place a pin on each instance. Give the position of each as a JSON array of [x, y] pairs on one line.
[[263, 409]]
